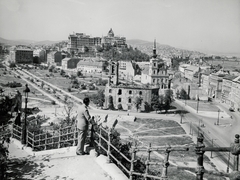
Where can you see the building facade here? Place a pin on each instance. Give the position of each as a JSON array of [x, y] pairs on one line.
[[190, 71], [92, 65], [70, 63], [157, 73], [126, 96], [227, 88], [23, 56], [58, 56], [127, 70], [235, 93]]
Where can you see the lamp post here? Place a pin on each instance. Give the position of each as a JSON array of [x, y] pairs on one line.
[[218, 117], [24, 128], [197, 103]]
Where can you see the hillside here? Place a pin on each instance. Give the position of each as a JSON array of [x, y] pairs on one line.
[[162, 49], [25, 42]]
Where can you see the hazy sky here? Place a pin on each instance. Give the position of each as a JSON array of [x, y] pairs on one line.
[[207, 25]]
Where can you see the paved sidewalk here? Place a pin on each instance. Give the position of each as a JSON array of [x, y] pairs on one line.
[[52, 164]]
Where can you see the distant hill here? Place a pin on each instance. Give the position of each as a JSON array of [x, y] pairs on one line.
[[25, 42], [134, 42], [162, 49]]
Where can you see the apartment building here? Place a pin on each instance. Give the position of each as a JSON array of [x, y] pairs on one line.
[[22, 56], [227, 84]]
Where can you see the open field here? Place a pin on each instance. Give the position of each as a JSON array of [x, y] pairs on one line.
[[162, 134]]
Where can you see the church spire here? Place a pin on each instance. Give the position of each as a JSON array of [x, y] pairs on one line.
[[154, 49]]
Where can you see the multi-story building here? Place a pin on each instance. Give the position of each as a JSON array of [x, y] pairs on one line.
[[50, 57], [190, 71], [70, 63], [157, 73], [58, 56], [23, 55], [92, 65], [80, 43], [215, 84], [43, 56], [226, 88], [128, 70], [235, 93], [204, 83], [125, 96]]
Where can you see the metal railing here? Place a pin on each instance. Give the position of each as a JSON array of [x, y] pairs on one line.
[[127, 161], [104, 143]]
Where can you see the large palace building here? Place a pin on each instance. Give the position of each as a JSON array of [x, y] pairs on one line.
[[80, 42]]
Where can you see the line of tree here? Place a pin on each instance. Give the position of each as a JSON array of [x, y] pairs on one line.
[[128, 53]]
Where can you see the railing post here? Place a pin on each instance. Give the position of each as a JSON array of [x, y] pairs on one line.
[[235, 150], [45, 148], [199, 152], [100, 141], [132, 162], [74, 136], [147, 161], [33, 141], [91, 137], [109, 146], [165, 164], [26, 136], [59, 138]]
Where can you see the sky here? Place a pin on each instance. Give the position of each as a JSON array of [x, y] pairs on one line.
[[203, 25]]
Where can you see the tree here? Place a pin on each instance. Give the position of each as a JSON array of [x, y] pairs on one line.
[[183, 94], [68, 112], [79, 73], [168, 98], [62, 72], [51, 68], [110, 103], [98, 98], [157, 102], [138, 102]]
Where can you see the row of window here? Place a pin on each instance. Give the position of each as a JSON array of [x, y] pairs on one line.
[[158, 80], [120, 92], [157, 72], [129, 100]]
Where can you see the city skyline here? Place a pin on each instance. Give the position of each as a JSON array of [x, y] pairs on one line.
[[207, 26]]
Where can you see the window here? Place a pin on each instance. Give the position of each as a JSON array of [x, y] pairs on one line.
[[140, 92], [119, 99], [130, 92], [153, 80], [154, 64], [129, 100], [119, 92], [110, 90]]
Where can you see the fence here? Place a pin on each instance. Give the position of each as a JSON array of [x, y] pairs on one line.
[[200, 149], [68, 137]]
